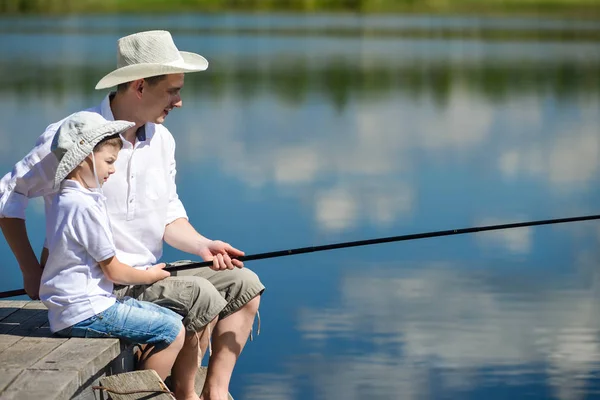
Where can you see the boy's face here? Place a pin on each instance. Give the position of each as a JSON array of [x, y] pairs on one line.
[[159, 99], [105, 159]]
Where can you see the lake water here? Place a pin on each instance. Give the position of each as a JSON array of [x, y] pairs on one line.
[[310, 130]]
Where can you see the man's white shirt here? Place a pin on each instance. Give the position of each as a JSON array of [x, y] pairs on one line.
[[141, 195]]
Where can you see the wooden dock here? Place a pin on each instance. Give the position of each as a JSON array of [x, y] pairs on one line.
[[34, 364]]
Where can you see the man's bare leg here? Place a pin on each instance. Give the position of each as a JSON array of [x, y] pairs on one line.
[[228, 340], [184, 371]]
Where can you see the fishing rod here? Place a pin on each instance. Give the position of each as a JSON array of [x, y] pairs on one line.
[[343, 245]]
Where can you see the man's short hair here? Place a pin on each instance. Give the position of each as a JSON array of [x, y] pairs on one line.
[[151, 80]]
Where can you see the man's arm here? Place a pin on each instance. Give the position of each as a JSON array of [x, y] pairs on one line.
[[15, 232], [182, 235], [28, 178]]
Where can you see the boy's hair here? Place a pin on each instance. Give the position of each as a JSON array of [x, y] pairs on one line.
[[113, 140]]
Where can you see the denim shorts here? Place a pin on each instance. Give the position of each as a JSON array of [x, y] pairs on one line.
[[133, 320]]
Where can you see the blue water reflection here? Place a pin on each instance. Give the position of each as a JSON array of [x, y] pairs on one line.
[[297, 140]]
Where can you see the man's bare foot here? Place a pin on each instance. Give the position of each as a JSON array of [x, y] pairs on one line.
[[191, 396], [214, 395]]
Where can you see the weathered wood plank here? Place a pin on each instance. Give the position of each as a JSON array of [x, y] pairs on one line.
[[35, 305], [8, 340], [7, 376], [40, 384], [8, 307], [133, 381], [88, 356], [28, 351], [25, 320]]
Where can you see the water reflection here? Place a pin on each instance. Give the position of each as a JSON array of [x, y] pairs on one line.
[[434, 331], [336, 80]]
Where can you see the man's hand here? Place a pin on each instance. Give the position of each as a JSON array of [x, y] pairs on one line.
[[15, 232], [31, 282], [222, 255]]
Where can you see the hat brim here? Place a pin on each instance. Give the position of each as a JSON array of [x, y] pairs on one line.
[[75, 156], [191, 62]]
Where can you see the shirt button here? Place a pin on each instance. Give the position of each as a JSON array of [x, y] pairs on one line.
[[131, 200]]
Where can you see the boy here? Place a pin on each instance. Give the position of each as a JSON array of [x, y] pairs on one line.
[[77, 281]]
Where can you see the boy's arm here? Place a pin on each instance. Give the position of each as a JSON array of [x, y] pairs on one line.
[[124, 274]]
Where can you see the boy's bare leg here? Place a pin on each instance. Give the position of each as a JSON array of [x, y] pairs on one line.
[[228, 340], [184, 371], [162, 361]]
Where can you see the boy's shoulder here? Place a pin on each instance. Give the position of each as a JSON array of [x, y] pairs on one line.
[[76, 200]]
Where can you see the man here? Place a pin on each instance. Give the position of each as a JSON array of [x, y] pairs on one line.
[[220, 302]]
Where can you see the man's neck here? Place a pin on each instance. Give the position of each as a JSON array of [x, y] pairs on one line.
[[122, 111]]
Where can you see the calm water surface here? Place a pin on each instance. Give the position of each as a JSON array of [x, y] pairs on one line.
[[311, 130]]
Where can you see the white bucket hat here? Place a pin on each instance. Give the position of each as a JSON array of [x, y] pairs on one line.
[[77, 137], [150, 53]]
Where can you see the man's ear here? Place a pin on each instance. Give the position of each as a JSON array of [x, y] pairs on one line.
[[138, 86]]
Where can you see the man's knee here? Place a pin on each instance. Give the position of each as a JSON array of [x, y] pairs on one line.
[[251, 307], [204, 303], [243, 287]]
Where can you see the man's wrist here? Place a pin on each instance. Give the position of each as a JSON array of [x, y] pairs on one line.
[[202, 243]]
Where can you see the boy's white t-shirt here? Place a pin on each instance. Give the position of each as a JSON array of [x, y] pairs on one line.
[[74, 288]]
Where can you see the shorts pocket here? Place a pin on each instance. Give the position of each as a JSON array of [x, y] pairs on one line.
[[92, 333]]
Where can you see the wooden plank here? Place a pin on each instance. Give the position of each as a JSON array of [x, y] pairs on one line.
[[87, 356], [7, 376], [25, 320], [8, 340], [35, 305], [134, 381], [28, 351], [39, 384], [8, 307]]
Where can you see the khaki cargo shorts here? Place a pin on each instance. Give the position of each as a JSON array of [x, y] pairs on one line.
[[198, 294]]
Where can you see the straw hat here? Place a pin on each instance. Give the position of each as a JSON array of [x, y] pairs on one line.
[[77, 137], [150, 53]]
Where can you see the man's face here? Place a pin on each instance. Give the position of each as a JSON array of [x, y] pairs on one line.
[[159, 99]]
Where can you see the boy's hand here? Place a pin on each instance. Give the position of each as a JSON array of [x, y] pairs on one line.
[[158, 272]]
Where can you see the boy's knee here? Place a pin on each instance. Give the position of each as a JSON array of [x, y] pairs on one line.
[[180, 338]]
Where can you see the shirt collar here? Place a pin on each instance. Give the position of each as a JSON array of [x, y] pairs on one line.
[[71, 184], [144, 132]]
